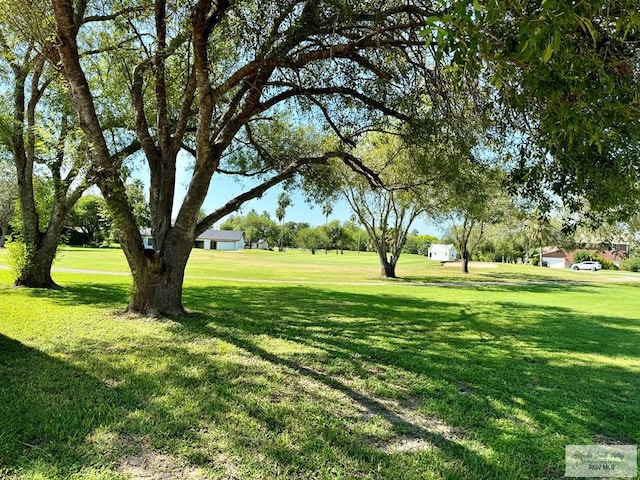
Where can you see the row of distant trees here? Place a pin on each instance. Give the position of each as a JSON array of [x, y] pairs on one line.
[[89, 222], [507, 232], [515, 237], [334, 235]]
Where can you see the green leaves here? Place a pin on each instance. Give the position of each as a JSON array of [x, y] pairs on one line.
[[546, 56], [567, 74]]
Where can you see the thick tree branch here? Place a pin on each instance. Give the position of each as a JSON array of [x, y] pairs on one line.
[[107, 175], [346, 91], [300, 60], [186, 111], [331, 123], [113, 16], [140, 119]]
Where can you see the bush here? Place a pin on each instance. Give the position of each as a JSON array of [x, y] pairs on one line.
[[607, 264], [16, 256], [631, 264], [535, 261], [423, 248], [583, 255]]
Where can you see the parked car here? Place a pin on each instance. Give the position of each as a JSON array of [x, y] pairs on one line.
[[588, 265]]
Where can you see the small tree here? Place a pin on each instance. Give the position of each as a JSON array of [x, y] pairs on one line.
[[419, 244], [327, 209], [86, 216], [338, 236], [255, 227], [387, 213], [473, 202], [311, 238]]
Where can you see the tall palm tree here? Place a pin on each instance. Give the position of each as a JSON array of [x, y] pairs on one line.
[[284, 201], [327, 209]]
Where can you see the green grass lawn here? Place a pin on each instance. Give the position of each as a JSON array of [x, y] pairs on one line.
[[307, 366], [296, 266]]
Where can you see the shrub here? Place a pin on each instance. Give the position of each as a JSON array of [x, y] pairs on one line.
[[607, 264], [16, 256], [423, 248], [582, 255], [631, 264]]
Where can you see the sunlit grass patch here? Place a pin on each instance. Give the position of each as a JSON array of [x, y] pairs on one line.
[[314, 380]]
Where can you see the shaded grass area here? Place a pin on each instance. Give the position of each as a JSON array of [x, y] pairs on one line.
[[286, 381]]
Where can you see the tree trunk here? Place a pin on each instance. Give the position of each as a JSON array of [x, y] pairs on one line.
[[3, 233], [35, 270], [281, 239], [388, 270], [157, 285], [465, 264]]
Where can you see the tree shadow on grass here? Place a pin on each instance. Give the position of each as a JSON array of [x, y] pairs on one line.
[[533, 276], [297, 382], [235, 416], [104, 295], [532, 360], [48, 412]]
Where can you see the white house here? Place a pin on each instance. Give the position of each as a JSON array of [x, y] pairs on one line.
[[442, 253], [209, 240]]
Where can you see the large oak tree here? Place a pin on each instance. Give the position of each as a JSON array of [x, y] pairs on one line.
[[217, 79]]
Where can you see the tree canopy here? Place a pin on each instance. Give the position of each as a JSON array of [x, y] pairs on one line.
[[387, 212], [565, 75], [218, 80]]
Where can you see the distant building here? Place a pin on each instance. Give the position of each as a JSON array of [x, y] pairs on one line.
[[442, 253], [556, 257], [209, 240], [261, 244]]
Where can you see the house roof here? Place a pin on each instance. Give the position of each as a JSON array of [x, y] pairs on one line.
[[221, 235], [441, 246], [555, 252]]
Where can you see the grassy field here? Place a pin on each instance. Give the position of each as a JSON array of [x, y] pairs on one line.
[[297, 366]]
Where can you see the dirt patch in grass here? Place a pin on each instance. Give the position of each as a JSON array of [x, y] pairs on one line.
[[148, 464], [413, 431], [605, 440]]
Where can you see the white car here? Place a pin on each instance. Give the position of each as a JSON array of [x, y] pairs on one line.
[[588, 265]]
